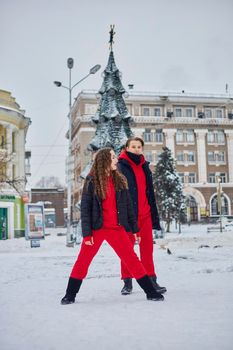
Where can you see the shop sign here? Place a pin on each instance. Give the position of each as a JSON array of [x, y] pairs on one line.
[[7, 197]]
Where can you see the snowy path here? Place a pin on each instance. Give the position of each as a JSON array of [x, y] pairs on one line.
[[197, 312]]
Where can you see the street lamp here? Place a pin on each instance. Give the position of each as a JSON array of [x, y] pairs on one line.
[[93, 70], [219, 201]]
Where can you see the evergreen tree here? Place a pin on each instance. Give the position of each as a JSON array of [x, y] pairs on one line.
[[112, 118], [169, 192]]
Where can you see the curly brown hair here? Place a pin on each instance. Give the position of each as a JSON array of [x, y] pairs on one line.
[[100, 171]]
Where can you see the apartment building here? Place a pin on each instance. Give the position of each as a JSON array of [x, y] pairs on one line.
[[198, 128]]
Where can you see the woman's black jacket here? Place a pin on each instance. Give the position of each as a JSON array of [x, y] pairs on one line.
[[126, 170], [92, 215]]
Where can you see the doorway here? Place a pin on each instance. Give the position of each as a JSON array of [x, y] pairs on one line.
[[192, 209], [3, 223]]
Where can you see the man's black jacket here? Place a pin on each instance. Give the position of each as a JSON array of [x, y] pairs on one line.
[[126, 170], [92, 214]]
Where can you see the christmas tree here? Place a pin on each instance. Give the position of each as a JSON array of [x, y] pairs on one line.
[[169, 191], [112, 118]]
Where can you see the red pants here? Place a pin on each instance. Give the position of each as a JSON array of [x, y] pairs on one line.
[[146, 248], [119, 241]]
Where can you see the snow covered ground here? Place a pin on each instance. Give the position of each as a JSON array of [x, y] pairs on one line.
[[197, 312]]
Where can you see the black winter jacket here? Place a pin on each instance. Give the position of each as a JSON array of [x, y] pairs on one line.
[[92, 215], [126, 170]]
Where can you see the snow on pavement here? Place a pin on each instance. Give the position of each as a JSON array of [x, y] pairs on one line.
[[197, 312]]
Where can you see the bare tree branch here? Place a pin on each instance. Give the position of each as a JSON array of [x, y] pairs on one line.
[[18, 184]]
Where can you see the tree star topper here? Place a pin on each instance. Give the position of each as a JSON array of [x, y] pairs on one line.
[[112, 33]]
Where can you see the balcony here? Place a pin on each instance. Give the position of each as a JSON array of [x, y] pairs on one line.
[[181, 120]]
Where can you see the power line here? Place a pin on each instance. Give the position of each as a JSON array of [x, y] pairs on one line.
[[47, 146], [48, 163], [52, 155], [50, 148]]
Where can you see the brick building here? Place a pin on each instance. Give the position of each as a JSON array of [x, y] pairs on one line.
[[54, 202]]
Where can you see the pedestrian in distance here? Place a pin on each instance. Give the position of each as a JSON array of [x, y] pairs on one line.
[[107, 214], [135, 168]]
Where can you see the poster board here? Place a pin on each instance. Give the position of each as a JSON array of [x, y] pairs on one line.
[[34, 221]]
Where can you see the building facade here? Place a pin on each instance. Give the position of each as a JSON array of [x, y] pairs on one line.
[[54, 200], [14, 166], [198, 129]]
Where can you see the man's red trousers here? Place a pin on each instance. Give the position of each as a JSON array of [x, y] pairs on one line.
[[145, 247]]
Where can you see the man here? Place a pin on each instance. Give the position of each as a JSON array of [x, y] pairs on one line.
[[137, 172]]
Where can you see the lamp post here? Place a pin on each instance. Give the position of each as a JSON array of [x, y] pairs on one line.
[[93, 70], [188, 211], [219, 198]]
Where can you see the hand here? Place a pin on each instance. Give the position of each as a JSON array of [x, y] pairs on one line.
[[137, 237], [89, 240]]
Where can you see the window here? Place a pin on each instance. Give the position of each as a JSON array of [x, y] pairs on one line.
[[220, 137], [129, 107], [90, 108], [148, 156], [189, 112], [13, 141], [224, 206], [185, 157], [210, 137], [208, 113], [216, 136], [190, 157], [220, 156], [223, 177], [219, 113], [146, 111], [178, 112], [185, 136], [14, 172], [192, 178], [181, 176], [211, 178], [157, 112], [2, 171], [159, 135], [179, 135], [190, 136], [180, 156], [211, 157], [2, 141], [147, 135], [2, 137]]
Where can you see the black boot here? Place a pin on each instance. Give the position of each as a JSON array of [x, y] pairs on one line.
[[157, 286], [71, 291], [151, 294], [128, 286]]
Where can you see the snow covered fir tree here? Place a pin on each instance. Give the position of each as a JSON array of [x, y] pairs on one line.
[[169, 192], [112, 118]]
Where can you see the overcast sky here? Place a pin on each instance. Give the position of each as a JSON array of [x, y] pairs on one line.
[[160, 45]]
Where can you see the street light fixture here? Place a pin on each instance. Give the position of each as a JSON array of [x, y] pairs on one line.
[[57, 83], [93, 70]]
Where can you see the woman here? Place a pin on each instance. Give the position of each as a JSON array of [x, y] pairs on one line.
[[106, 214]]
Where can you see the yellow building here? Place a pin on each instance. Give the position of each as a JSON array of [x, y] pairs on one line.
[[13, 170]]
